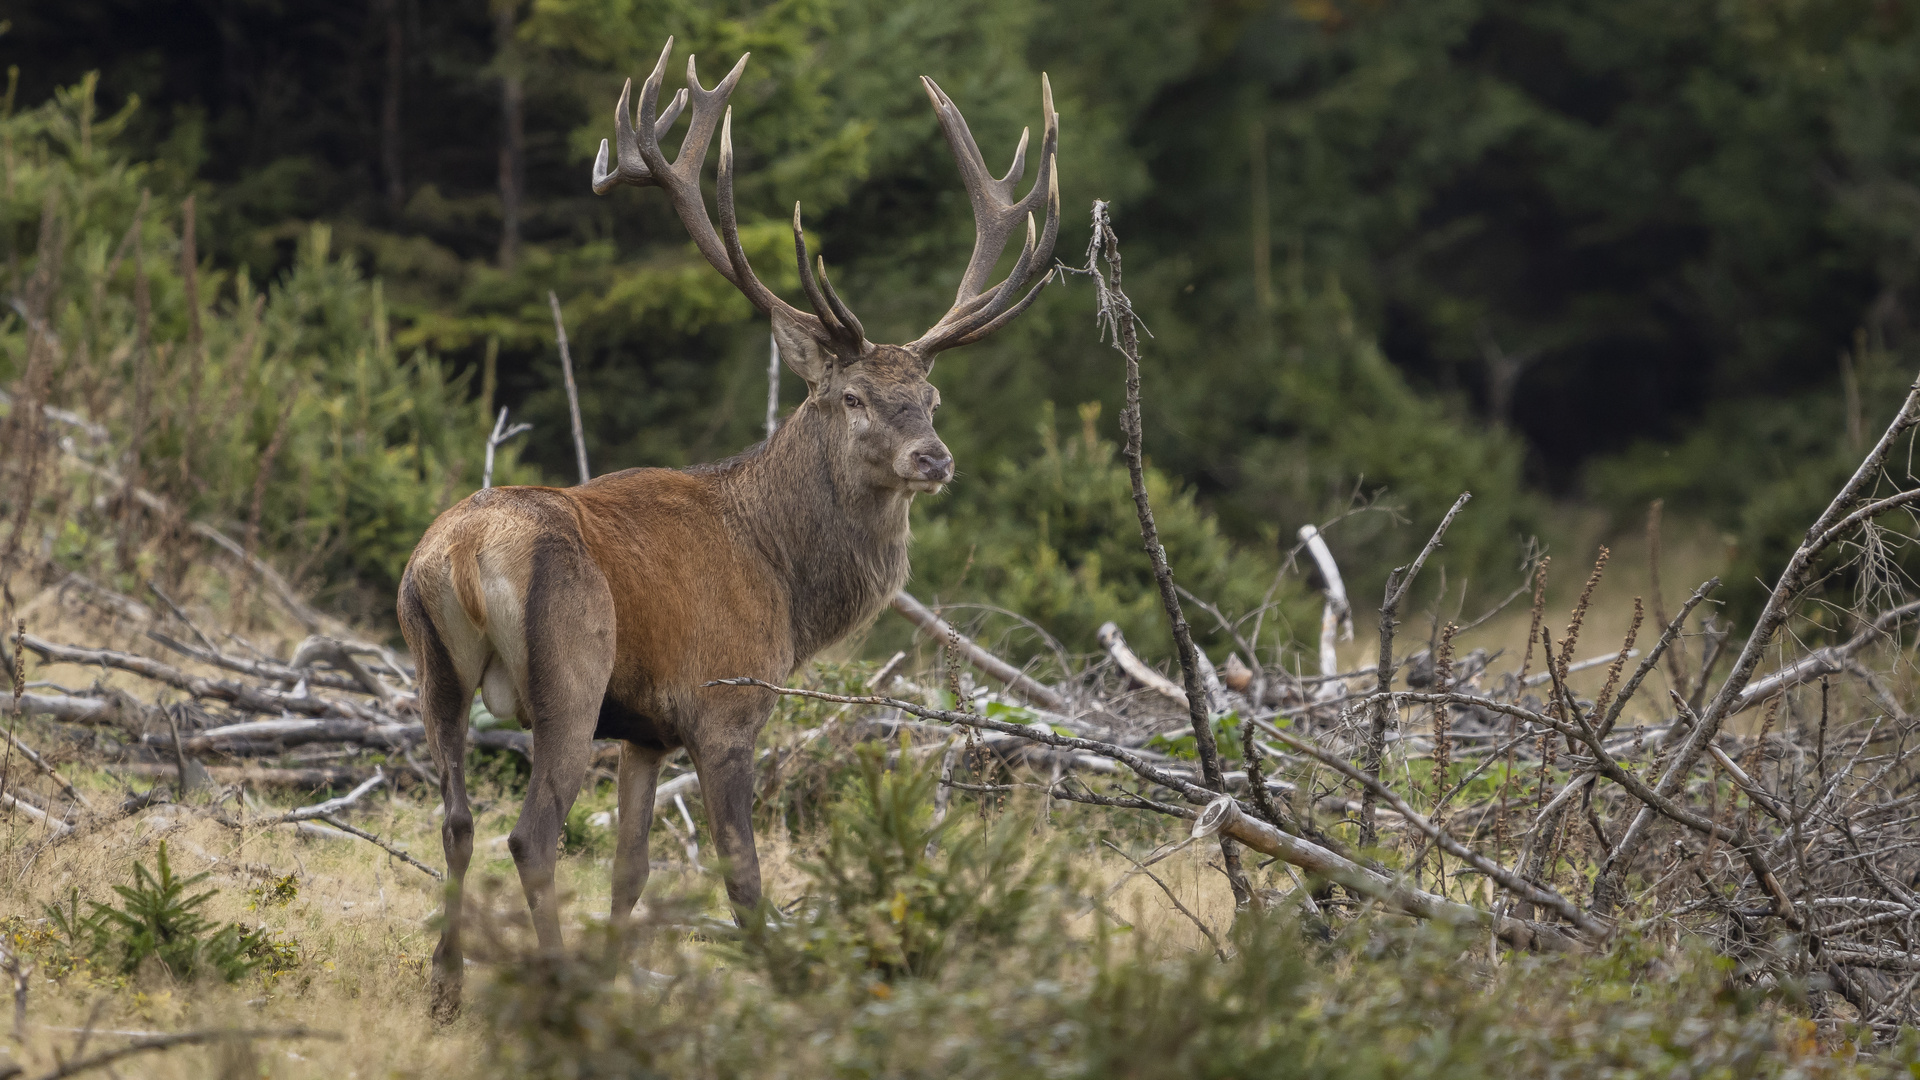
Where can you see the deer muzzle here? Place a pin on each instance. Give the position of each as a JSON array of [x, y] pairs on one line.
[[927, 467]]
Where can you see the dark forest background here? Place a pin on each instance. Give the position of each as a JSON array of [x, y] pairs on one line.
[[1552, 251]]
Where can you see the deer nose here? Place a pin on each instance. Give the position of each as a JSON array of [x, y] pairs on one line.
[[934, 464]]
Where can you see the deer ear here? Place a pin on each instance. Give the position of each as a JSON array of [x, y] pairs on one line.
[[800, 349]]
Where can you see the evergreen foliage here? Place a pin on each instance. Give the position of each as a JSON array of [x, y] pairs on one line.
[[362, 443], [1419, 247], [159, 920]]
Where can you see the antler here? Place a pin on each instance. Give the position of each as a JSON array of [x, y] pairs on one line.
[[976, 311], [642, 163]]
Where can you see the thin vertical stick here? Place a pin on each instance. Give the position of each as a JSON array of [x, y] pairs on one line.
[[1399, 582], [573, 392], [179, 754], [142, 386], [1116, 312], [773, 384], [17, 673], [196, 361]]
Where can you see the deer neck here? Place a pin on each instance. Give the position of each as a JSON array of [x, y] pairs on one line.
[[837, 542]]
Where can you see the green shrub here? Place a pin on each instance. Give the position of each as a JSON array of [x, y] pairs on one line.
[[158, 920], [896, 894], [1055, 537], [362, 444]]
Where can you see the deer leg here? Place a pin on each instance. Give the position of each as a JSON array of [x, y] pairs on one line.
[[569, 638], [558, 771], [639, 776], [726, 772], [443, 699], [456, 840]]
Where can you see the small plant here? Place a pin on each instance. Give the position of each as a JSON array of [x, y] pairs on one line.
[[580, 835], [279, 892], [159, 920], [896, 894]]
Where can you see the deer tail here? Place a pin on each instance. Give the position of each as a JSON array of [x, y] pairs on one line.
[[465, 570]]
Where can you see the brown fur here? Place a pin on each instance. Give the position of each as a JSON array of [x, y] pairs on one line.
[[602, 610]]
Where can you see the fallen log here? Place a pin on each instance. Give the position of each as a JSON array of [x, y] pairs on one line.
[[65, 707]]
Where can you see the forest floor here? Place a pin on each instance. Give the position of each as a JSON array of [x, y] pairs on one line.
[[358, 926]]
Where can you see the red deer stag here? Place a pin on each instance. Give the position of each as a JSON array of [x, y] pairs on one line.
[[602, 610]]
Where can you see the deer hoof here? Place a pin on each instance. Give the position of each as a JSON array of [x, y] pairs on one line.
[[445, 1006]]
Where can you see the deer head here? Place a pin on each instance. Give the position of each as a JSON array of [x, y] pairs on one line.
[[874, 401]]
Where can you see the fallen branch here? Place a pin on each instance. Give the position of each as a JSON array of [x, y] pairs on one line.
[[1500, 875], [990, 665], [331, 807], [1229, 820], [1780, 603], [312, 777], [398, 853], [167, 1042], [1337, 612], [1831, 660], [1137, 669], [41, 763], [58, 828], [239, 695], [1182, 908]]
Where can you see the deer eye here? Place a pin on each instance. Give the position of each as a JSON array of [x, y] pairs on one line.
[[852, 401]]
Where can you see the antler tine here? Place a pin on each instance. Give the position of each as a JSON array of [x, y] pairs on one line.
[[739, 271], [840, 310], [641, 161], [629, 167], [681, 178], [995, 212], [978, 311], [808, 282], [834, 315]]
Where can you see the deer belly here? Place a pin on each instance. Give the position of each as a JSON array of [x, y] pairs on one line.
[[497, 692], [619, 721]]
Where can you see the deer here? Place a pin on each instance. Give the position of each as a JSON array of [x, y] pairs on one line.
[[608, 610]]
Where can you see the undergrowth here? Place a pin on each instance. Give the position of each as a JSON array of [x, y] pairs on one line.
[[972, 948], [158, 922]]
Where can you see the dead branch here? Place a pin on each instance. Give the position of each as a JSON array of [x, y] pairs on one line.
[[1792, 581], [154, 1043], [333, 806], [990, 665], [41, 763], [573, 391], [238, 695], [1115, 311], [1228, 819], [1399, 582], [1137, 669], [1204, 929]]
